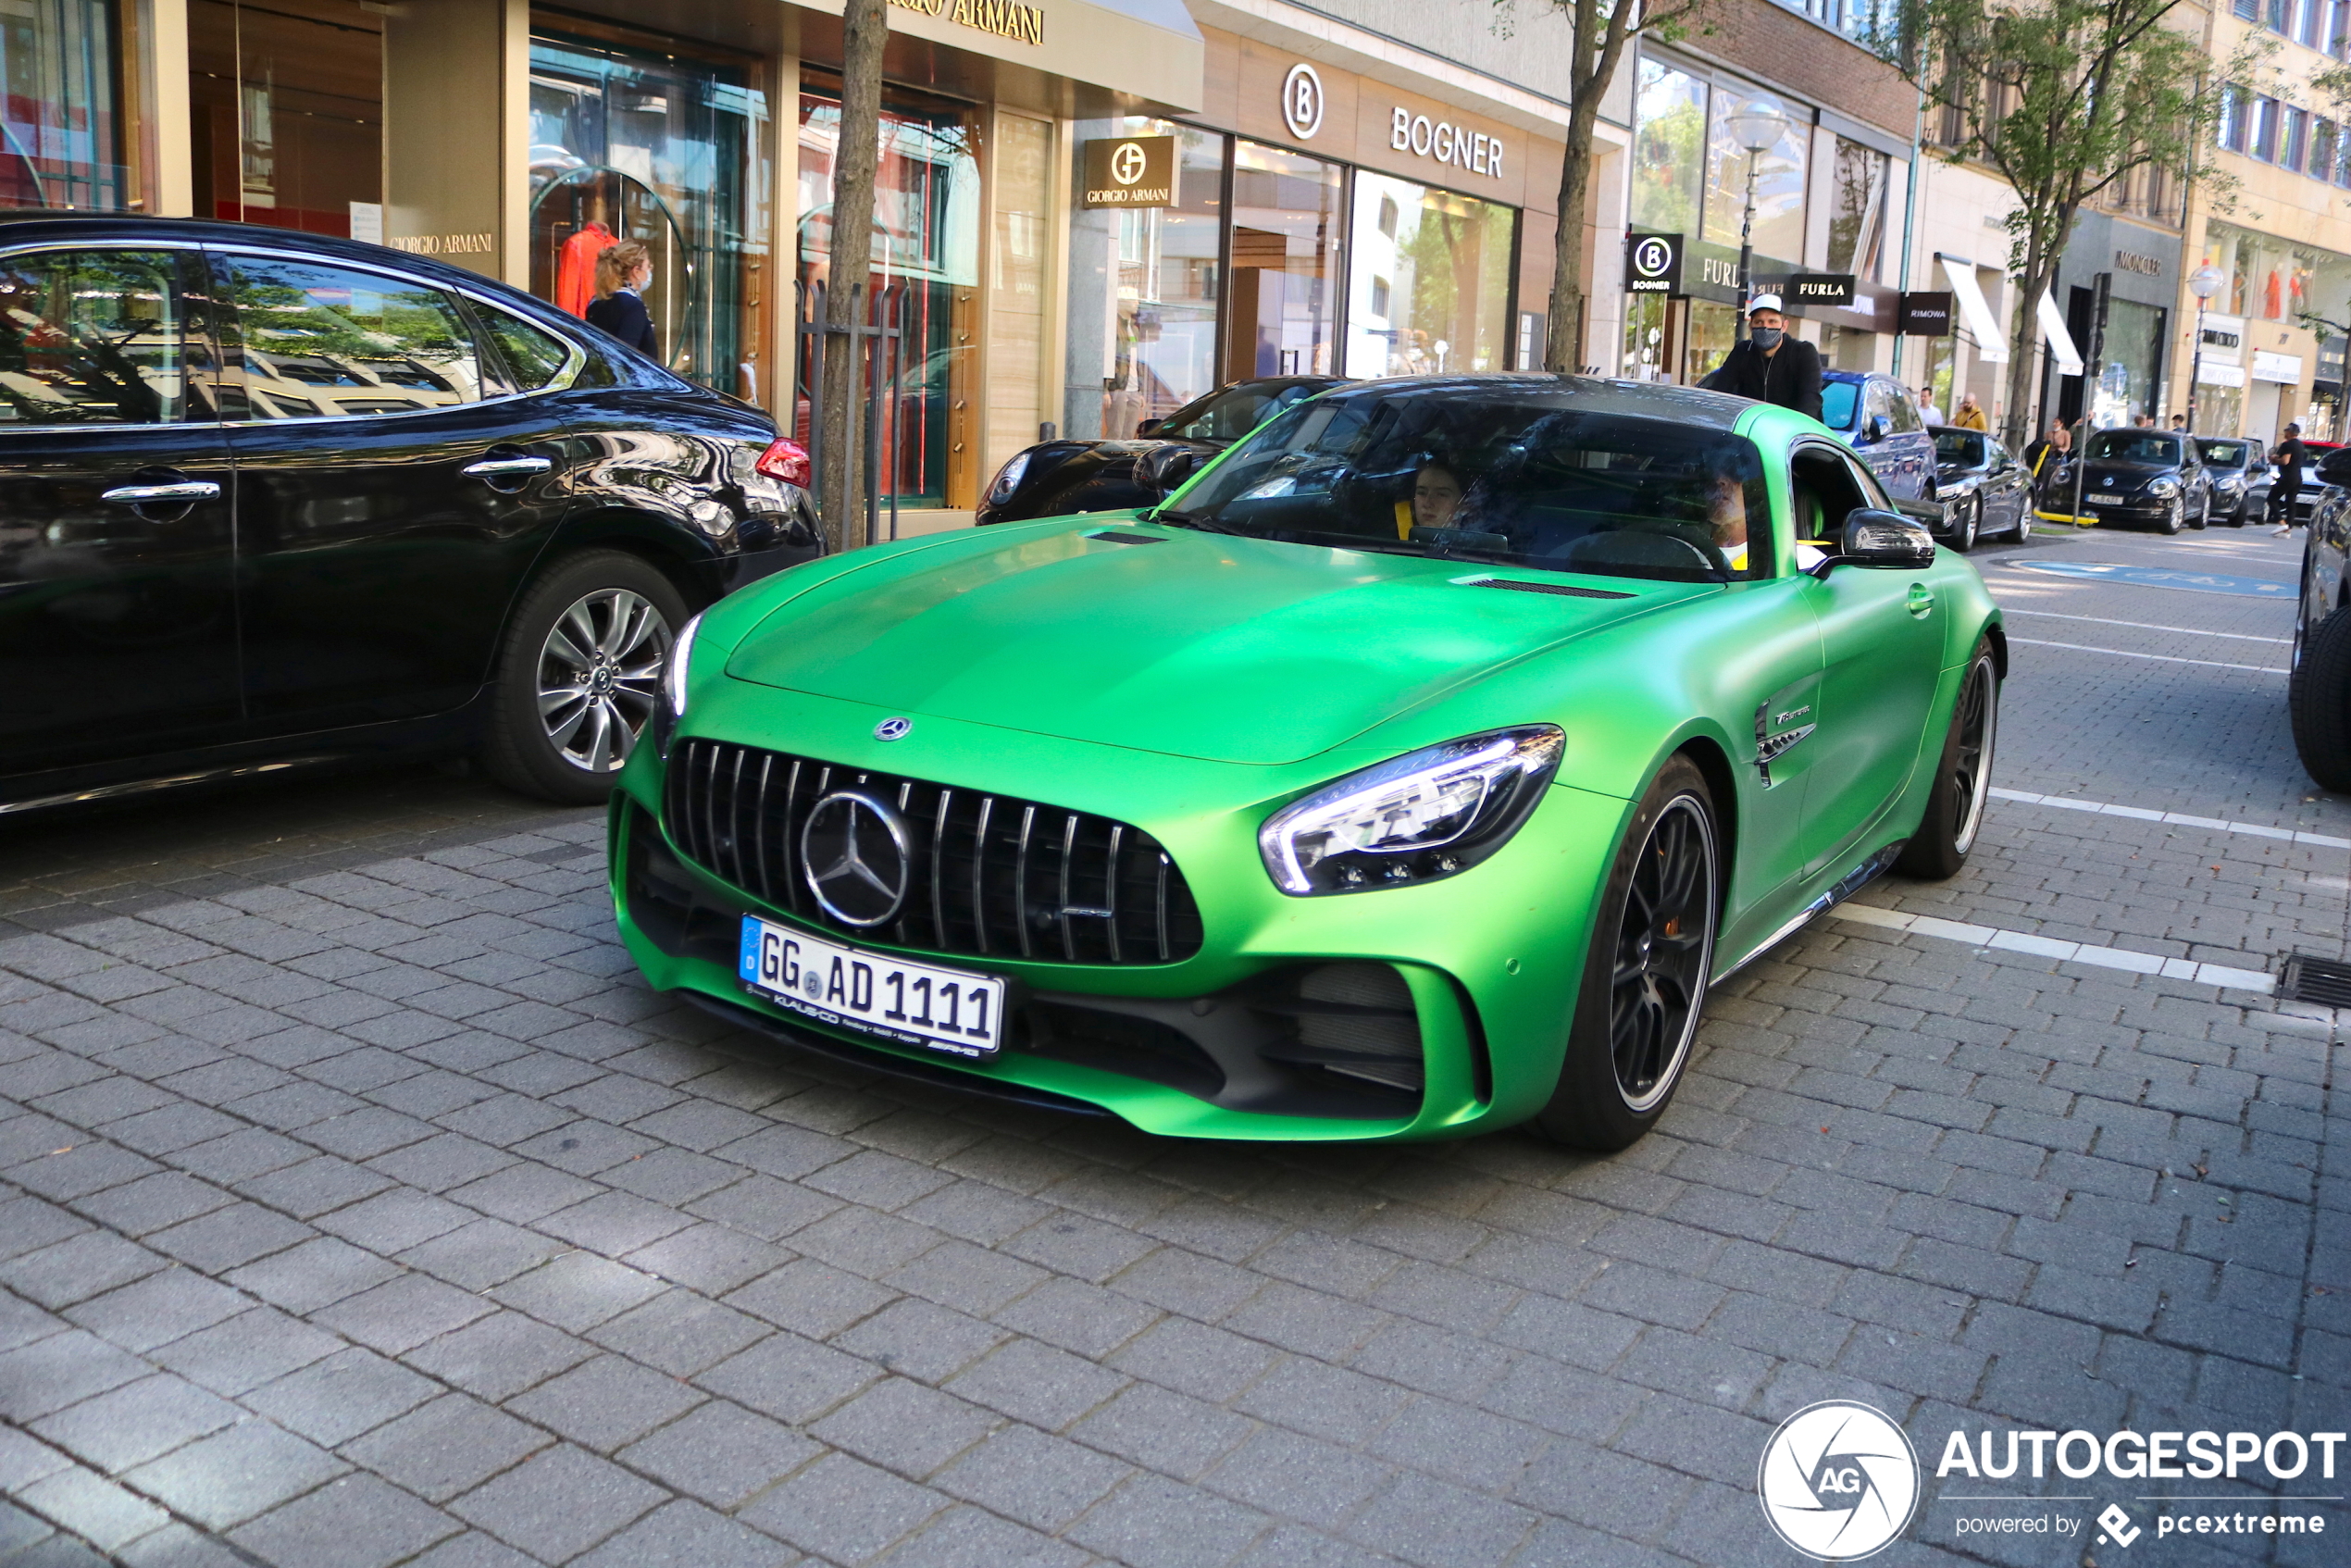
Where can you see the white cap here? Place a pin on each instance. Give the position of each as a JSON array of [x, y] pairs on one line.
[[1765, 302]]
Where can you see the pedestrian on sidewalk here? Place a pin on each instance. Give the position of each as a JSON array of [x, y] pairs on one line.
[[1969, 416], [1927, 411], [1769, 366], [2289, 456]]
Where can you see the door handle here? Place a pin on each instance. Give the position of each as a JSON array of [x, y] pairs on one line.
[[162, 494], [1921, 603], [506, 467]]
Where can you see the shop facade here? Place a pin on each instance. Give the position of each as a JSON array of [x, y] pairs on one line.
[[2133, 354], [2272, 344]]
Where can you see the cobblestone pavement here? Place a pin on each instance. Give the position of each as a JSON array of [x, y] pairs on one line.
[[358, 1206]]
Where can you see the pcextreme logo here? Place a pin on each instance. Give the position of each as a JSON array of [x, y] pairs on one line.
[[1838, 1480]]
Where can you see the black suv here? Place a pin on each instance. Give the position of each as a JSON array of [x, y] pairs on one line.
[[266, 497]]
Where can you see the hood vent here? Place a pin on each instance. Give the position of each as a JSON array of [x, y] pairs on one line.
[[1565, 591], [1109, 538]]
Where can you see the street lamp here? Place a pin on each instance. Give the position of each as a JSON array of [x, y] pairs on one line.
[[1757, 125], [2204, 282]]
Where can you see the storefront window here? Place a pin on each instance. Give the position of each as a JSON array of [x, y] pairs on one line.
[[1712, 328], [1779, 182], [61, 129], [1645, 351], [1018, 301], [925, 261], [1669, 143], [1857, 213], [285, 112], [1284, 265], [627, 144], [2132, 351], [1428, 288]]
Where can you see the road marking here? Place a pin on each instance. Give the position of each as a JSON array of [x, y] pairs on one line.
[[2177, 819], [2159, 658], [2157, 576], [2049, 947], [2149, 626]]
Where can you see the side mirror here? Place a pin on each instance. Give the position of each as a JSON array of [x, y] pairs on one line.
[[1872, 538], [1874, 431], [1148, 428], [1164, 469], [2335, 469]]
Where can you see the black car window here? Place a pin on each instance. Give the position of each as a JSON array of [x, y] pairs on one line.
[[320, 341], [534, 356], [2223, 454], [1963, 447], [1232, 412], [92, 338], [2135, 446]]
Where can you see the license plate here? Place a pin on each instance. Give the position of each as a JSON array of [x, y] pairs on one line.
[[948, 1010], [2104, 500]]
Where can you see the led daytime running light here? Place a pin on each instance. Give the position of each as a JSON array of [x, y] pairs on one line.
[[679, 665]]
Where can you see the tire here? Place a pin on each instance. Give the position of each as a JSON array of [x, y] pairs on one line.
[[1962, 776], [1646, 976], [2203, 515], [2318, 700], [2171, 516], [2024, 523], [597, 626], [1967, 516]]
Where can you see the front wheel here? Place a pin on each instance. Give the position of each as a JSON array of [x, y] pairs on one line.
[[1965, 518], [1646, 974], [578, 676], [2171, 518], [1962, 776]]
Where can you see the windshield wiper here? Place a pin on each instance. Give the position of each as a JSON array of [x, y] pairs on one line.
[[1189, 521]]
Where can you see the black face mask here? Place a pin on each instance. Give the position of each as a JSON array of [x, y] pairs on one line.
[[1765, 338]]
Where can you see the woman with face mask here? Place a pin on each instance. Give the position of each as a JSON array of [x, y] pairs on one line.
[[1771, 366], [623, 273]]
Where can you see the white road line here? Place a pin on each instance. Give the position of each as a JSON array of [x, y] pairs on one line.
[[2159, 658], [2048, 947], [2149, 626], [2177, 819]]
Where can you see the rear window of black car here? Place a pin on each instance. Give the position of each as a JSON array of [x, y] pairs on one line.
[[1958, 446]]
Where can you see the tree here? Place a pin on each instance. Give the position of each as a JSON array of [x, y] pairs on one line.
[[1599, 30], [848, 303], [2064, 99]]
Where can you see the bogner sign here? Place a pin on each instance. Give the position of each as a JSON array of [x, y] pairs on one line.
[[1653, 264], [1130, 171]]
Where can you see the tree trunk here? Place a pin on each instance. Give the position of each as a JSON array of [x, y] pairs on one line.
[[1562, 335], [2024, 341], [865, 31]]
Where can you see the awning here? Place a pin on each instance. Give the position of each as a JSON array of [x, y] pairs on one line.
[[2060, 341], [1991, 343]]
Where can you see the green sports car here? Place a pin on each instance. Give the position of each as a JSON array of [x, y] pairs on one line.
[[1410, 772]]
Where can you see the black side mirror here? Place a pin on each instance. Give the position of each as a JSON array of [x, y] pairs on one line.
[[1874, 431], [1872, 538], [1148, 428], [1164, 469], [2335, 469]]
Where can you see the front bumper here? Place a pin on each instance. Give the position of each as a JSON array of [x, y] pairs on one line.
[[1480, 970]]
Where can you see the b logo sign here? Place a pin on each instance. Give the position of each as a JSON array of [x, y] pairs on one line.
[[1302, 102], [1838, 1481], [1653, 264]]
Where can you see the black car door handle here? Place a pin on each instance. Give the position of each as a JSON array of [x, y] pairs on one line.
[[180, 493], [507, 467]]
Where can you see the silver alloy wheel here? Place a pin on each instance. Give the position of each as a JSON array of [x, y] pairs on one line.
[[599, 673], [1978, 719]]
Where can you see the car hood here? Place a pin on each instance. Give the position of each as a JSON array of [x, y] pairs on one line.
[[1207, 646]]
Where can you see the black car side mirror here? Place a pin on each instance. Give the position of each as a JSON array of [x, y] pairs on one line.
[[1164, 469], [2335, 467], [1875, 429], [1872, 538], [1148, 428]]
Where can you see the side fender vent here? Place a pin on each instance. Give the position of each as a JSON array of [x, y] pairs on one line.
[[1565, 591]]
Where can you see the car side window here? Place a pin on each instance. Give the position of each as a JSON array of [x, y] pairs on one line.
[[318, 341], [1904, 414], [94, 337], [534, 356]]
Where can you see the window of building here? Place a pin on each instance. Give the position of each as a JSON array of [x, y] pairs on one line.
[[2293, 138], [1449, 271], [1857, 211], [1285, 263], [2265, 128], [2322, 151], [285, 112], [1669, 148], [63, 138], [2229, 131], [1778, 180]]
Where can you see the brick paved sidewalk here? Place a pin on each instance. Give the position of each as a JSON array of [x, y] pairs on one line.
[[358, 1207]]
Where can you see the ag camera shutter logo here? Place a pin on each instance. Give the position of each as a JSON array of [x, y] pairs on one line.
[[1838, 1481]]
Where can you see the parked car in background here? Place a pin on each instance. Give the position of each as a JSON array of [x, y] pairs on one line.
[[1985, 490], [1877, 416], [2230, 462], [2318, 688], [1058, 478], [2265, 480], [266, 497], [2145, 478]]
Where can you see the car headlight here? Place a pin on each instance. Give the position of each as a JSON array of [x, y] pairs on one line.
[[1007, 479], [672, 705], [2163, 485], [1415, 818]]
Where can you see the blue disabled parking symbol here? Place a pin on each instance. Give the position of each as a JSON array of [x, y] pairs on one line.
[[2157, 576]]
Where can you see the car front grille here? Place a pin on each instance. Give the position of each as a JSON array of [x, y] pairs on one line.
[[991, 877]]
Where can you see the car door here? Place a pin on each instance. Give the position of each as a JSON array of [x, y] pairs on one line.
[[1881, 661], [391, 493], [118, 588], [2004, 483]]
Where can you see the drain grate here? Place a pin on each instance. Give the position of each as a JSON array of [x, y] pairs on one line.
[[2310, 978]]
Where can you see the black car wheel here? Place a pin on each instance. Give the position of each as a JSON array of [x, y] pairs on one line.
[[1645, 977], [1966, 515], [1962, 778], [579, 675], [2169, 521], [2204, 513], [2317, 699]]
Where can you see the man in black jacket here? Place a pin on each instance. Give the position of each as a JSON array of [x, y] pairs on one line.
[[2289, 456], [1771, 366]]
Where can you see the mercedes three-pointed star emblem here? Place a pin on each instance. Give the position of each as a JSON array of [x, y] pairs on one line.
[[855, 857]]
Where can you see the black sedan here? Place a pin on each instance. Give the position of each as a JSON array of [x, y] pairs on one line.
[[2231, 464], [1984, 490], [2318, 690], [2150, 478], [268, 498], [1056, 479]]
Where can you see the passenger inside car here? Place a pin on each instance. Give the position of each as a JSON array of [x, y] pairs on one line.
[[1436, 496]]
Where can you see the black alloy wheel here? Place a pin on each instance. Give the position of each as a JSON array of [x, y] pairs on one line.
[[1966, 515], [1963, 779], [1646, 976], [2204, 513]]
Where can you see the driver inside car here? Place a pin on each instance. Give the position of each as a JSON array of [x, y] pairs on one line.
[[1436, 497]]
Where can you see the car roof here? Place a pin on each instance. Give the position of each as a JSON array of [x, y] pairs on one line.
[[1600, 394]]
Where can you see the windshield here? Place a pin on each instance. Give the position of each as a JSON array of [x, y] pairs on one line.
[[1965, 447], [1836, 403], [1549, 473], [2223, 454], [1231, 413], [2135, 446]]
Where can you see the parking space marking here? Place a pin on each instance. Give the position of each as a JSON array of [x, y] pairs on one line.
[[2179, 819], [2149, 626], [2050, 947], [2157, 576], [2159, 658]]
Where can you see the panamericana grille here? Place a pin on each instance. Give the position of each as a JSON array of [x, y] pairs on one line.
[[991, 877]]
